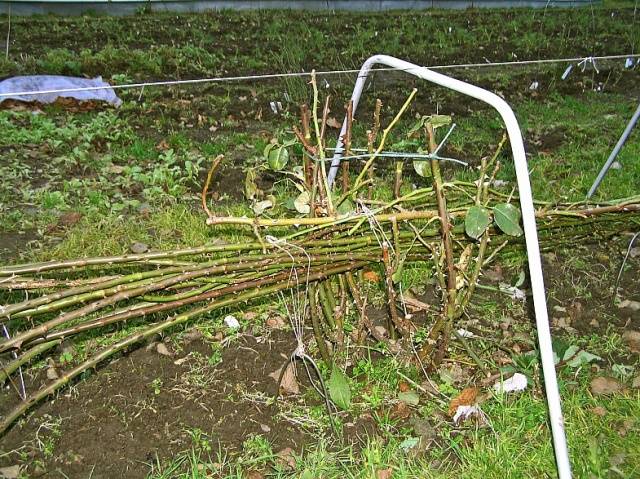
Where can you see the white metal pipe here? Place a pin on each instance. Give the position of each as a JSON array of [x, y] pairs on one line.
[[528, 220]]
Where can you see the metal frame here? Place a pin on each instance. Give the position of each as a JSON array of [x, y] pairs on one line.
[[614, 153], [528, 219]]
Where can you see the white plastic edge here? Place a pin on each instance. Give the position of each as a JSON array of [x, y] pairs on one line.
[[528, 219]]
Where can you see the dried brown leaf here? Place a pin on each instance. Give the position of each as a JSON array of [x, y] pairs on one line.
[[289, 384], [603, 385], [467, 397]]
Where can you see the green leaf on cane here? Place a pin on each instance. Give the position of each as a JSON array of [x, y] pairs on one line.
[[339, 390], [277, 156], [507, 218], [477, 221]]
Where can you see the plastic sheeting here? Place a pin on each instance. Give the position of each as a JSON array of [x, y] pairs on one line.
[[16, 88]]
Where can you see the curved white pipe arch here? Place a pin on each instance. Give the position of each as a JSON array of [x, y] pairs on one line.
[[528, 220]]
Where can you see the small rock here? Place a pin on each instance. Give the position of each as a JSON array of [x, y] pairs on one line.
[[161, 348], [605, 385], [616, 165], [52, 373], [632, 340], [138, 248], [264, 428], [192, 335], [231, 322], [634, 252], [69, 219]]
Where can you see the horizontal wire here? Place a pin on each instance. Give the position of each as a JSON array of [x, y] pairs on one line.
[[308, 74]]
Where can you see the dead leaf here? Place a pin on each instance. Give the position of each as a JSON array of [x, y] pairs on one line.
[[371, 276], [636, 382], [604, 385], [403, 386], [275, 322], [115, 169], [400, 410], [467, 397], [287, 458], [451, 373], [161, 348], [289, 384], [384, 473], [10, 472], [162, 146], [629, 304], [255, 475], [626, 426], [414, 305], [599, 411], [333, 123], [494, 274], [69, 219], [632, 339]]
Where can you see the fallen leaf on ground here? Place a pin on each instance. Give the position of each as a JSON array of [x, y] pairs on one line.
[[333, 123], [289, 384], [467, 397], [10, 472], [162, 348], [287, 458], [409, 397], [371, 276], [632, 339], [403, 386], [275, 322], [400, 410], [69, 219], [384, 473], [451, 373], [599, 411], [629, 304], [414, 305], [636, 382], [604, 385], [626, 426]]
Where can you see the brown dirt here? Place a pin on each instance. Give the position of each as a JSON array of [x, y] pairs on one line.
[[116, 423]]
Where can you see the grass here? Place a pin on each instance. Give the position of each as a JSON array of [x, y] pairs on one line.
[[134, 175], [515, 445]]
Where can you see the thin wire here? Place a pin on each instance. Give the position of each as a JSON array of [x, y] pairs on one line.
[[267, 76]]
